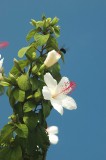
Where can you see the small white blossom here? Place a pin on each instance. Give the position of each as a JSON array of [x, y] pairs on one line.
[[57, 93], [52, 131], [52, 58], [1, 68], [1, 62]]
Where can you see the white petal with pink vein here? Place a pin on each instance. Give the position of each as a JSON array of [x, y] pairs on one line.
[[57, 93]]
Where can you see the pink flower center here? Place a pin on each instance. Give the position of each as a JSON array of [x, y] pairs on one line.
[[68, 87]]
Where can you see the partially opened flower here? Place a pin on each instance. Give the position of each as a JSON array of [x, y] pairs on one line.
[[57, 93], [3, 44], [52, 57], [52, 131]]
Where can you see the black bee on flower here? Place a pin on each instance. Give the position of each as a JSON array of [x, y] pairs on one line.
[[63, 50]]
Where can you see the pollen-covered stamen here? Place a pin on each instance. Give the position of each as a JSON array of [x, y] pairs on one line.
[[69, 86]]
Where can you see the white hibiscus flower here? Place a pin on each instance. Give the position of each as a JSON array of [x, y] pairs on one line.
[[52, 131], [57, 93]]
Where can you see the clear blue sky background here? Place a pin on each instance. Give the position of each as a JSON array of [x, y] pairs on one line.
[[82, 132]]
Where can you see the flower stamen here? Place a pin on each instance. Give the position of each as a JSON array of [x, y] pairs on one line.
[[66, 89], [69, 86]]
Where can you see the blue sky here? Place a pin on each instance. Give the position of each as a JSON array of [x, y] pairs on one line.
[[82, 133]]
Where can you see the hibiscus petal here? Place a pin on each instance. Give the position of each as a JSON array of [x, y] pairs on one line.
[[53, 139], [1, 62], [50, 81], [69, 103], [64, 86], [52, 130], [57, 105], [46, 93]]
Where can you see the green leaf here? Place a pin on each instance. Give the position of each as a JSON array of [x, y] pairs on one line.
[[16, 153], [43, 17], [48, 19], [46, 23], [9, 90], [31, 54], [43, 139], [37, 95], [9, 93], [37, 140], [31, 120], [29, 105], [33, 22], [46, 108], [57, 31], [22, 130], [2, 83], [34, 82], [41, 84], [39, 24], [5, 153], [11, 153], [18, 109], [16, 64], [41, 39], [19, 95], [52, 44], [23, 82], [6, 132], [5, 79], [34, 69], [22, 51], [13, 79], [12, 100], [32, 142], [30, 34], [22, 142], [54, 21], [22, 64]]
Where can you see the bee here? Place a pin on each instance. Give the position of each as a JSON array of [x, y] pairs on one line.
[[63, 50]]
